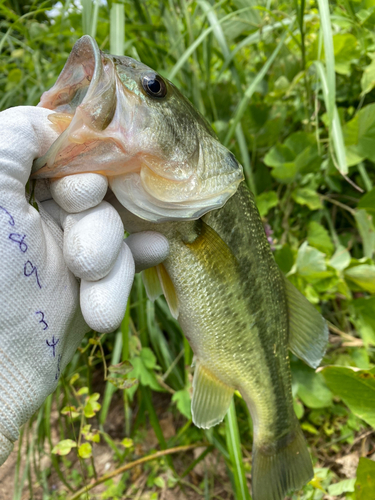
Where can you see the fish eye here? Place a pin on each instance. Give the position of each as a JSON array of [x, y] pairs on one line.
[[154, 86]]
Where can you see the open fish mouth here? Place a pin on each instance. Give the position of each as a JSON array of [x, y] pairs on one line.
[[162, 159]]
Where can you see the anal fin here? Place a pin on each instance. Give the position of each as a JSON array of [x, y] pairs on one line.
[[152, 283], [211, 398], [308, 330], [168, 290]]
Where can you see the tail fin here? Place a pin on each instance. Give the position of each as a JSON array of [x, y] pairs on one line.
[[281, 467]]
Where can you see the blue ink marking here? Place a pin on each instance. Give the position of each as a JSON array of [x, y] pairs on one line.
[[34, 270], [42, 321], [58, 366], [20, 242], [53, 344], [11, 220]]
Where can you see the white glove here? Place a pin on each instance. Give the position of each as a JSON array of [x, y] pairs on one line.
[[41, 321]]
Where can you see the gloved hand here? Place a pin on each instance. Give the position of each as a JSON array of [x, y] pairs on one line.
[[45, 311]]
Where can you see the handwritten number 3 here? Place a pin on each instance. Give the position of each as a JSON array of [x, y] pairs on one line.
[[42, 320]]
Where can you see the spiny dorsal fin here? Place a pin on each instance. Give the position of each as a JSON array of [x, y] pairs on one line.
[[168, 290], [152, 283], [308, 330], [211, 398]]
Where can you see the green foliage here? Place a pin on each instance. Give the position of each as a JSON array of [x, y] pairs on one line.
[[290, 88], [355, 388], [365, 484]]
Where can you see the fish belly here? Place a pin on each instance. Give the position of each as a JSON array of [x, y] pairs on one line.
[[232, 308]]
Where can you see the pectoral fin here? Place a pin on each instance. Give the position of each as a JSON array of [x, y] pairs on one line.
[[152, 283], [168, 290], [308, 331], [211, 398]]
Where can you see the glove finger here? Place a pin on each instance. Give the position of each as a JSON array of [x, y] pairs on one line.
[[148, 249], [93, 242], [103, 303], [76, 193]]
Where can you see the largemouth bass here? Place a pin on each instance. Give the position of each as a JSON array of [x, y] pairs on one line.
[[240, 315]]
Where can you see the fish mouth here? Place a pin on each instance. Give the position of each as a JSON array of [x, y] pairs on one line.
[[96, 116]]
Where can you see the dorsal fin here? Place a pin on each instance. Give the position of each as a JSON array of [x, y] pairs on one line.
[[308, 330]]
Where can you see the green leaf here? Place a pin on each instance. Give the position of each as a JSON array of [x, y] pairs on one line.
[[345, 51], [143, 374], [148, 358], [64, 447], [340, 259], [266, 201], [85, 450], [284, 258], [309, 260], [306, 196], [122, 368], [367, 231], [311, 388], [368, 77], [127, 443], [368, 202], [183, 402], [365, 323], [355, 388], [318, 237], [91, 406], [71, 411], [365, 484], [345, 486], [363, 276]]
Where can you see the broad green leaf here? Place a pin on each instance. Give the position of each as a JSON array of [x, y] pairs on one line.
[[266, 201], [368, 201], [148, 358], [85, 450], [345, 486], [367, 231], [312, 389], [363, 276], [305, 196], [364, 309], [318, 237], [368, 77], [345, 51], [355, 388], [365, 484], [183, 402], [64, 447], [284, 258], [309, 260], [340, 259]]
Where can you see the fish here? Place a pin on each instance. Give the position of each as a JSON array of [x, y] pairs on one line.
[[241, 316]]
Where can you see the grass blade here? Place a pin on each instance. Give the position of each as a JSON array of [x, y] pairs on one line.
[[328, 80], [234, 448], [117, 34], [242, 106]]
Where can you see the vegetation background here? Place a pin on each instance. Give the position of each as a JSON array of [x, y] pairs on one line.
[[289, 87]]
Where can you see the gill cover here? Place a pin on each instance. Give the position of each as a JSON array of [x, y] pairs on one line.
[[162, 159]]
